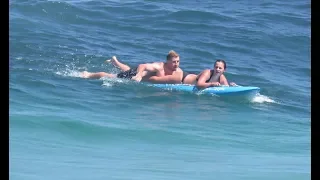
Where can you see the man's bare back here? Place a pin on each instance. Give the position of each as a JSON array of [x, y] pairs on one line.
[[168, 71]]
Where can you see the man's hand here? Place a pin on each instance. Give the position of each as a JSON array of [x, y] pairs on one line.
[[137, 78]]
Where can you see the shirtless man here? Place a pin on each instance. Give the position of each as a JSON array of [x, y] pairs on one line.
[[156, 72]]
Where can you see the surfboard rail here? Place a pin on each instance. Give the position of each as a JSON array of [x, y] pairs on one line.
[[219, 90]]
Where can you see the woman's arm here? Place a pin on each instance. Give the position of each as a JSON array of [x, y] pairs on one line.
[[204, 75]]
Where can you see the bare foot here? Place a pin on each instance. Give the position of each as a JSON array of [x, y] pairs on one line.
[[113, 60]]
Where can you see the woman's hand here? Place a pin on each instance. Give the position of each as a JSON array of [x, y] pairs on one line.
[[233, 84], [215, 84]]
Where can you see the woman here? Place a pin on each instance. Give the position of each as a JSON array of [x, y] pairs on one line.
[[213, 77]]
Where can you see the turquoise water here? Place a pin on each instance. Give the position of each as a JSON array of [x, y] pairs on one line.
[[66, 127]]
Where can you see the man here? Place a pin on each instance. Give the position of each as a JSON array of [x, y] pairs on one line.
[[156, 72]]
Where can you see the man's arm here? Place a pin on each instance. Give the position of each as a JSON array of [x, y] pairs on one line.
[[148, 67], [168, 79]]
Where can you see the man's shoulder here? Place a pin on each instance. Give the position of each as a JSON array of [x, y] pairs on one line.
[[179, 70], [155, 64], [158, 63]]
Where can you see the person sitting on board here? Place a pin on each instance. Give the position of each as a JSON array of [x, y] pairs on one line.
[[157, 70]]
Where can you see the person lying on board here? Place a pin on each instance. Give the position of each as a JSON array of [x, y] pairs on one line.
[[206, 78], [155, 72], [213, 77]]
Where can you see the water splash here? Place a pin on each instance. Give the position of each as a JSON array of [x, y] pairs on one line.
[[259, 98], [70, 73], [109, 82]]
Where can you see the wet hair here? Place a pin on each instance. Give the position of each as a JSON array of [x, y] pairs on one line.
[[223, 61], [172, 54]]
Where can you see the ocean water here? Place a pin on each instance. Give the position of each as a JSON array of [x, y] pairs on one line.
[[66, 127]]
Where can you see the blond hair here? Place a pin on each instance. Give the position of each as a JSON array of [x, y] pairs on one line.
[[172, 54]]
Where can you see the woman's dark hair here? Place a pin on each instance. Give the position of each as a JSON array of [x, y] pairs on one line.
[[221, 60]]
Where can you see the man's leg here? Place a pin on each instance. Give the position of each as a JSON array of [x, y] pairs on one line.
[[115, 62], [118, 64], [97, 75]]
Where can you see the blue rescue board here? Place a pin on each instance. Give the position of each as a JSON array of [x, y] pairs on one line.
[[219, 90]]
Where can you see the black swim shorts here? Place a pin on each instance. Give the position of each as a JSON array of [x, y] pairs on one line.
[[185, 74], [127, 74]]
